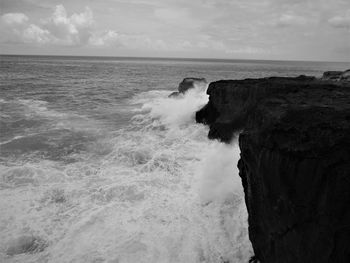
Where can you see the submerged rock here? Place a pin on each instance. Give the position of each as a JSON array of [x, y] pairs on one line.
[[295, 163], [187, 84]]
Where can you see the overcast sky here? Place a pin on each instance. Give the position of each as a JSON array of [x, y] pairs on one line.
[[251, 29]]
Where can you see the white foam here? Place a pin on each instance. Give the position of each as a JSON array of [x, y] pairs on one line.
[[219, 173], [13, 139], [175, 112], [39, 107], [162, 193]]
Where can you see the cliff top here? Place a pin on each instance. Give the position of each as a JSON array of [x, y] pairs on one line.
[[303, 114]]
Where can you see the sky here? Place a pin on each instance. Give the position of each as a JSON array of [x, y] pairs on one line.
[[317, 30]]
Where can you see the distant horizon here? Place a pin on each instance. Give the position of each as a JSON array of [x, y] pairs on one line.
[[176, 58]]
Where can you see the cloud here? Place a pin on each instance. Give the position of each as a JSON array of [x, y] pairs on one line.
[[290, 20], [11, 6], [17, 29], [35, 34], [341, 21], [107, 38], [60, 28], [201, 42], [14, 18], [128, 41], [177, 17], [70, 30], [171, 15], [248, 50], [77, 29]]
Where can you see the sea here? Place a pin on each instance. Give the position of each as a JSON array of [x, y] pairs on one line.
[[98, 164]]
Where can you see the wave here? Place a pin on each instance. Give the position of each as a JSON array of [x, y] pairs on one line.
[[157, 191]]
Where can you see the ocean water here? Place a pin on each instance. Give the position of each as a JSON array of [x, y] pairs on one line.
[[97, 164]]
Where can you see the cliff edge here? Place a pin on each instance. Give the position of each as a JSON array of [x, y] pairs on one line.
[[295, 162]]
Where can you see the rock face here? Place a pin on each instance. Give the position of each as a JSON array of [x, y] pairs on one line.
[[187, 84], [345, 76], [337, 75], [295, 163], [332, 75]]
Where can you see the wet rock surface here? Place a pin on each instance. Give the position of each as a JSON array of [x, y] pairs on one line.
[[295, 162]]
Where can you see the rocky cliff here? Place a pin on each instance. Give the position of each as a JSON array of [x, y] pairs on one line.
[[295, 163]]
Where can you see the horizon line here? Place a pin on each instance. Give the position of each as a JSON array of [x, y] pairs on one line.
[[175, 58]]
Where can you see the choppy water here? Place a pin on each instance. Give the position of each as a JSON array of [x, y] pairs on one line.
[[97, 164]]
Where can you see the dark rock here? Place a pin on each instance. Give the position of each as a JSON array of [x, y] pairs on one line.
[[221, 130], [295, 163], [187, 84], [337, 75], [207, 115], [331, 75], [190, 83], [303, 77], [345, 76], [174, 94], [232, 101]]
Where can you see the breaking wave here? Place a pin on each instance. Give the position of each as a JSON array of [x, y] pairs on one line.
[[156, 190]]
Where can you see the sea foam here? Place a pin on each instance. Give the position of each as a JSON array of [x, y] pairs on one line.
[[155, 191]]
